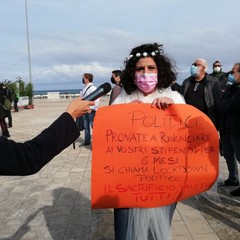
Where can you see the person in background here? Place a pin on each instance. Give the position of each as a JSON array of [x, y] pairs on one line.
[[229, 108], [3, 112], [29, 157], [220, 75], [9, 97], [115, 79], [89, 117], [146, 79], [15, 102], [202, 90]]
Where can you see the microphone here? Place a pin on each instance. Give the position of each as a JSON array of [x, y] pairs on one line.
[[99, 92]]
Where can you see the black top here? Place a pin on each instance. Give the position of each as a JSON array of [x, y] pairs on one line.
[[222, 77], [195, 95], [229, 108], [176, 87], [211, 95], [29, 157]]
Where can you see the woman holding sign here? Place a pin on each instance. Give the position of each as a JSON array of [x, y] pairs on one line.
[[146, 78]]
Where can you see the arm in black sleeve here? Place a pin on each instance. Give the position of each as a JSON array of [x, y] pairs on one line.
[[217, 92], [29, 157], [230, 102]]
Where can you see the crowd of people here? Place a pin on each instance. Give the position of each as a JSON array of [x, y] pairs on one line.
[[149, 76], [217, 95]]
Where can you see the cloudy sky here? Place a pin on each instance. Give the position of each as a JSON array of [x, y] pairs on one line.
[[70, 37]]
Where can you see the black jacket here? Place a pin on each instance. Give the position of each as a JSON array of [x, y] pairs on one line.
[[3, 112], [29, 157], [229, 108], [212, 95], [222, 78]]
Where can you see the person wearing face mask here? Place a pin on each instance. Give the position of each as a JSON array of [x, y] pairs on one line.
[[202, 90], [229, 108], [115, 79], [89, 117], [219, 75], [146, 78]]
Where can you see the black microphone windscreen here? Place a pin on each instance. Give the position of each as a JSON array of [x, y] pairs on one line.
[[100, 91], [106, 87]]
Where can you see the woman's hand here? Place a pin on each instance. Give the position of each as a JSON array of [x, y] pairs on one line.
[[162, 102]]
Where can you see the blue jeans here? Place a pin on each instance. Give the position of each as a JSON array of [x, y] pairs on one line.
[[88, 124], [231, 152], [121, 221]]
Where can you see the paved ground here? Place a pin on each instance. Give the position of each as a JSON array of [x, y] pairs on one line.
[[55, 203]]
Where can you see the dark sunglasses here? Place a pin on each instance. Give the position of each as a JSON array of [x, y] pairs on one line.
[[197, 64]]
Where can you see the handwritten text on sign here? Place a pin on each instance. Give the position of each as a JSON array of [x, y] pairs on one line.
[[146, 157]]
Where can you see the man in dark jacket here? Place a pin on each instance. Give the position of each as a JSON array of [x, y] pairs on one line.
[[219, 75], [229, 108], [29, 157], [202, 90]]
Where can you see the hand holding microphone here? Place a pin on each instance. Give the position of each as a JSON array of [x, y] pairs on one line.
[[78, 107]]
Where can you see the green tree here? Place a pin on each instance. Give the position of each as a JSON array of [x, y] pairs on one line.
[[29, 92], [12, 87], [19, 87], [22, 88]]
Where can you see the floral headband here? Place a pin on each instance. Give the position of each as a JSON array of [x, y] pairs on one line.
[[144, 54]]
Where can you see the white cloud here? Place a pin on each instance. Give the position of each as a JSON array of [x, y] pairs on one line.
[[68, 38]]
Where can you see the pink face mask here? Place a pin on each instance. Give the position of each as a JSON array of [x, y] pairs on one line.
[[146, 82]]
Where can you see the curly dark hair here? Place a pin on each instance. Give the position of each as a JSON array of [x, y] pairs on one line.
[[166, 71]]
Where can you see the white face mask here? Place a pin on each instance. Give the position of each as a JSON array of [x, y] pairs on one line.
[[217, 69]]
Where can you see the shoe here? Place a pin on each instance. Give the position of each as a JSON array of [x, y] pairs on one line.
[[235, 192], [84, 144], [230, 183]]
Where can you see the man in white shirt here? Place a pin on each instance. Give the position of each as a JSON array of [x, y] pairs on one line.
[[89, 116]]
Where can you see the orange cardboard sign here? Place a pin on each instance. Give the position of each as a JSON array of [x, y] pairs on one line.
[[147, 157]]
